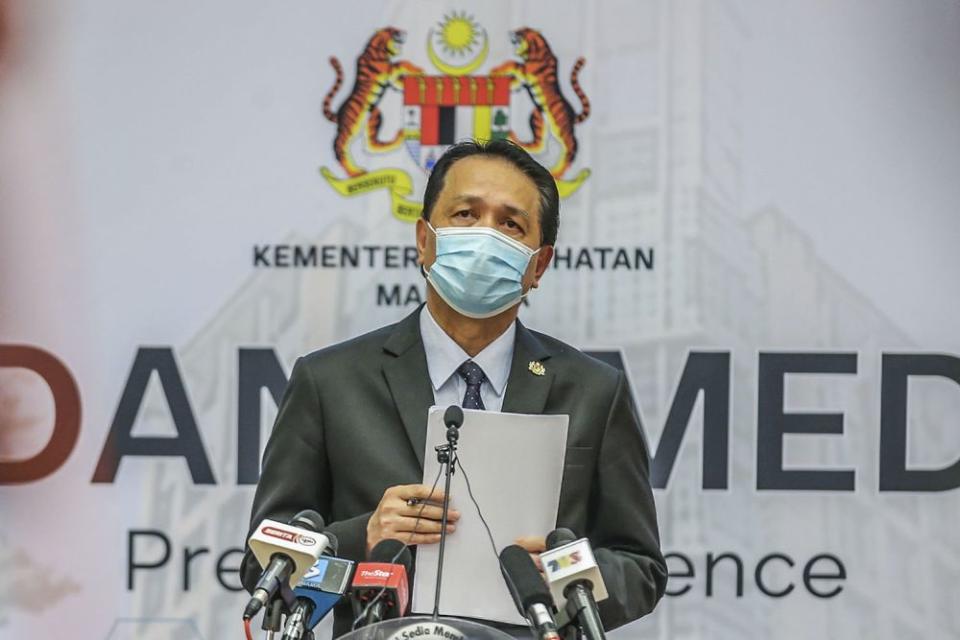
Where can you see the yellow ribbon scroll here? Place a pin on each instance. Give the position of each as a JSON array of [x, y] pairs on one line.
[[399, 183], [396, 181], [568, 187]]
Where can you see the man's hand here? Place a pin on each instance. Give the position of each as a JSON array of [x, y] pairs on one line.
[[534, 545], [395, 516]]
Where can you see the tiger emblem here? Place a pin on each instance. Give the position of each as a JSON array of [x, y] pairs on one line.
[[537, 74], [377, 71]]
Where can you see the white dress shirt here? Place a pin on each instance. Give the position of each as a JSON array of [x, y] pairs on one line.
[[444, 357]]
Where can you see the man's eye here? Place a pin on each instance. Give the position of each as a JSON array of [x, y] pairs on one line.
[[463, 213]]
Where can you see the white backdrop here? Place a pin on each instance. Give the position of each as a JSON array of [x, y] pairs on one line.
[[786, 171]]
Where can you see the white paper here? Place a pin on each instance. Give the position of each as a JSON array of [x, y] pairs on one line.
[[515, 466]]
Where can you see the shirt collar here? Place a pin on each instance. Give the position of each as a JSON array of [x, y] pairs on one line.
[[444, 355]]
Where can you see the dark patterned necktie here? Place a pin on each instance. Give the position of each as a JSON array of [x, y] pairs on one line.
[[471, 372]]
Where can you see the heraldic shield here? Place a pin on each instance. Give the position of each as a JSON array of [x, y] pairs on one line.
[[440, 110]]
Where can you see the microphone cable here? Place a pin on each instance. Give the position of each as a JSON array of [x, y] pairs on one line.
[[476, 505], [466, 478], [493, 546], [383, 589]]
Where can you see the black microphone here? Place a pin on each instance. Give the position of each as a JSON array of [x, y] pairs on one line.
[[571, 570], [380, 589], [285, 545], [529, 591], [453, 418]]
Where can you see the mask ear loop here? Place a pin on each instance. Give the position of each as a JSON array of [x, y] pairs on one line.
[[523, 296], [423, 272]]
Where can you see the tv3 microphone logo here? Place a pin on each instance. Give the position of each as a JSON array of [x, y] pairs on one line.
[[556, 564], [289, 536]]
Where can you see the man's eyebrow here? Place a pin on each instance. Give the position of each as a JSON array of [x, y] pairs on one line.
[[472, 199], [517, 210]]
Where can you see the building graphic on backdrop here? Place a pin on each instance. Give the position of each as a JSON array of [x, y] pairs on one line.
[[455, 104], [670, 172]]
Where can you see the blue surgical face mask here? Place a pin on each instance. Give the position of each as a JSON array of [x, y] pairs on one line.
[[478, 271]]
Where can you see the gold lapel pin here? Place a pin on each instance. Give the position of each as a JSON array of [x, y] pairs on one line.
[[536, 368]]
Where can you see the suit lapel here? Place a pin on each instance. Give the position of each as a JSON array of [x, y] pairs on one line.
[[526, 391], [409, 380]]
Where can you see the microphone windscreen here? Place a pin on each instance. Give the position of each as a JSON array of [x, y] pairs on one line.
[[333, 545], [308, 519], [386, 550], [559, 537], [523, 579], [453, 416]]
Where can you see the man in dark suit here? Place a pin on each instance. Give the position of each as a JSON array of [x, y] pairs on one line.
[[351, 428]]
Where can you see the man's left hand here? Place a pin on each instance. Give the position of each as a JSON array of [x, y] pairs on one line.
[[534, 545]]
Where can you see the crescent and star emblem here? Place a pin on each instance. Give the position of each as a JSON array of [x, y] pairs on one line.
[[458, 36]]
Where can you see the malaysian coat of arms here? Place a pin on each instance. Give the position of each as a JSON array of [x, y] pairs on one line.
[[457, 103]]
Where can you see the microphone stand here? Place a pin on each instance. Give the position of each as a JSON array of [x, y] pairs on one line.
[[447, 456], [581, 609], [273, 617]]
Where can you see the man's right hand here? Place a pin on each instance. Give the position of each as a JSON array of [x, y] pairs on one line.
[[395, 518]]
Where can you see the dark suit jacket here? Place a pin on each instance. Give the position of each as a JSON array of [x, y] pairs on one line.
[[352, 422]]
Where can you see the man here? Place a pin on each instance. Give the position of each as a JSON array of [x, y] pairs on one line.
[[350, 431]]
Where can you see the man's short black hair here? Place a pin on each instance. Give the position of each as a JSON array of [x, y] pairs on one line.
[[546, 185]]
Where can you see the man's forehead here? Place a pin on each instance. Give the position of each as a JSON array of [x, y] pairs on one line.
[[482, 178]]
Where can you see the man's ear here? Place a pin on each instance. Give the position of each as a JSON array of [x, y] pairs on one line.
[[422, 231], [544, 258]]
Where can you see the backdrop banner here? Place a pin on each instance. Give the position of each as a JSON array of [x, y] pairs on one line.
[[758, 225]]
